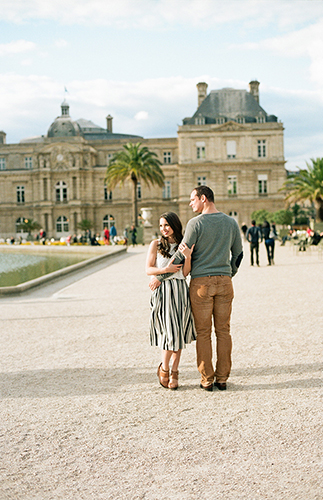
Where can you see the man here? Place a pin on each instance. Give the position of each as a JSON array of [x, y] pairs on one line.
[[113, 234], [216, 258], [253, 236]]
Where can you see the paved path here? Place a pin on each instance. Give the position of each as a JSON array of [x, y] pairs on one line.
[[83, 417]]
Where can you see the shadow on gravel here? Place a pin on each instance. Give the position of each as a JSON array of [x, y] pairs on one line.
[[88, 381]]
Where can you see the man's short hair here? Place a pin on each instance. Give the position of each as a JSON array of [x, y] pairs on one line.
[[253, 222], [208, 193]]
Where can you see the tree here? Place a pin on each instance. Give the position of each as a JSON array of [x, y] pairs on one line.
[[29, 225], [283, 217], [134, 163], [307, 185], [261, 215], [85, 225]]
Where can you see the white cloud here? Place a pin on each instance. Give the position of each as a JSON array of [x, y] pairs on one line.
[[61, 44], [16, 47], [141, 115], [160, 13]]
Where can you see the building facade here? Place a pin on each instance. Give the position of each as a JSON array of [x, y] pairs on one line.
[[230, 144]]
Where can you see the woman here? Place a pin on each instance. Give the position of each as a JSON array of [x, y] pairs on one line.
[[171, 321], [269, 236]]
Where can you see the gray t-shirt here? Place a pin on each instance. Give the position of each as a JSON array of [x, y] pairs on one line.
[[218, 245]]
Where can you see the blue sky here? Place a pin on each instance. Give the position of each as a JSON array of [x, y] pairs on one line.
[[140, 61]]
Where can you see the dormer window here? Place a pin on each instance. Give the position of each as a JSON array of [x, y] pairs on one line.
[[200, 120], [241, 119], [220, 120], [261, 119]]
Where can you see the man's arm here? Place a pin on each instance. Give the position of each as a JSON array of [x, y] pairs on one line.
[[236, 253], [179, 258]]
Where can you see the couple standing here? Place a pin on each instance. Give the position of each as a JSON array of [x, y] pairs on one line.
[[211, 250]]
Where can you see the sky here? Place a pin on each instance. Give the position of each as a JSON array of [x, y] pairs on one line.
[[140, 61]]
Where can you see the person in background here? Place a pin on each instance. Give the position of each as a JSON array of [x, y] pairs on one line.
[[113, 234], [106, 236], [253, 236]]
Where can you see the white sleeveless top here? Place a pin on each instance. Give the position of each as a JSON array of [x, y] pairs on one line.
[[162, 262]]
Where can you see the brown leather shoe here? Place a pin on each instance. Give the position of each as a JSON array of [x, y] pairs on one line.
[[222, 386], [163, 376], [173, 380], [207, 387]]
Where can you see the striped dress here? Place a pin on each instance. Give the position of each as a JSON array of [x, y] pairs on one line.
[[171, 320]]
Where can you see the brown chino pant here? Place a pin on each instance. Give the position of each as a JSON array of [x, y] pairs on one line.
[[212, 296]]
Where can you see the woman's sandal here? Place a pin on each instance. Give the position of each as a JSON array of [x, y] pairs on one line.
[[173, 382], [163, 376]]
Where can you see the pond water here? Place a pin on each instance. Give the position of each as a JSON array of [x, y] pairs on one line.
[[16, 268]]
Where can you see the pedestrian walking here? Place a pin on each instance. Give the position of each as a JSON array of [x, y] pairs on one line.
[[269, 235], [133, 232], [253, 236]]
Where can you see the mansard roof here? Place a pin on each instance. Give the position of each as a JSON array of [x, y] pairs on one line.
[[92, 132], [229, 105]]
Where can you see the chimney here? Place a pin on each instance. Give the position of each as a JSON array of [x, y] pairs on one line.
[[109, 123], [201, 92], [3, 136], [254, 89]]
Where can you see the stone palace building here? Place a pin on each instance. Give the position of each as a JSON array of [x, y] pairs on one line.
[[230, 144]]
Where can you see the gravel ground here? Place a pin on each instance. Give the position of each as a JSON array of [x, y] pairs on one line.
[[83, 416]]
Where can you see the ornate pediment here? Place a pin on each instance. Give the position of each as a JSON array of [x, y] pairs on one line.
[[65, 156], [231, 126]]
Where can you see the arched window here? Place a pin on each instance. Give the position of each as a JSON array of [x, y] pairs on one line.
[[62, 225], [61, 192], [234, 215], [108, 221]]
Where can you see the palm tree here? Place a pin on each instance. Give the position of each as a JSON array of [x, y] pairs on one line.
[[307, 185], [29, 225], [134, 163]]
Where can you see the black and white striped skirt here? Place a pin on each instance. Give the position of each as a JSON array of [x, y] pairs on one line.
[[171, 320]]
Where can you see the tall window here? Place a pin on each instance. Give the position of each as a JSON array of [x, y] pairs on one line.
[[139, 190], [200, 120], [61, 192], [109, 158], [74, 184], [231, 149], [200, 150], [107, 194], [201, 180], [28, 162], [2, 164], [167, 157], [262, 184], [261, 119], [62, 225], [262, 150], [232, 184], [20, 194], [45, 187], [108, 221], [167, 190]]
